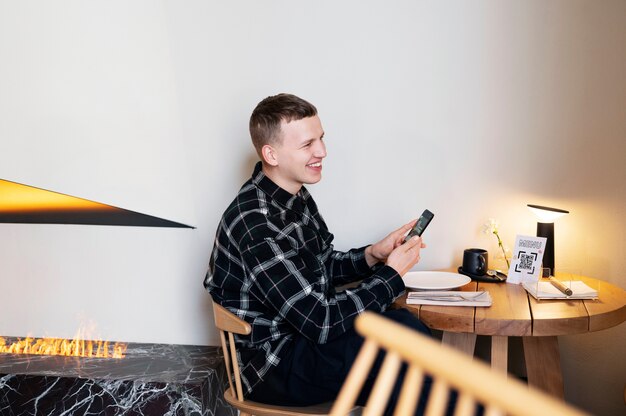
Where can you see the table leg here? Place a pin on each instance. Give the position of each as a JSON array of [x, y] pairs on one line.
[[543, 364], [460, 340], [499, 353]]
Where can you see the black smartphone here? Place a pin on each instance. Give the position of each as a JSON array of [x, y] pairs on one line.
[[420, 225]]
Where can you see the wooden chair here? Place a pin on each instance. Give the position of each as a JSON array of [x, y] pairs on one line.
[[228, 323], [449, 368]]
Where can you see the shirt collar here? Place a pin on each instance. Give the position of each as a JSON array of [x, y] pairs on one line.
[[294, 202]]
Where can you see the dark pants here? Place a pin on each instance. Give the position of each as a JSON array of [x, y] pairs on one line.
[[314, 373]]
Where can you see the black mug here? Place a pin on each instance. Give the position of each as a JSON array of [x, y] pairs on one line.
[[475, 261]]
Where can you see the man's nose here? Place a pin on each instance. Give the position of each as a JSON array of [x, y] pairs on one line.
[[320, 150]]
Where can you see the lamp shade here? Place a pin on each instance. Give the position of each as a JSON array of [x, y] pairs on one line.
[[547, 214]]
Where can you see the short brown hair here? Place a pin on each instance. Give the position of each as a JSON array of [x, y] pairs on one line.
[[269, 113]]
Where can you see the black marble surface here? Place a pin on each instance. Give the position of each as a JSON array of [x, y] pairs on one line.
[[152, 379]]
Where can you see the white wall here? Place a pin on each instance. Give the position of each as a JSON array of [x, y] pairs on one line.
[[470, 109]]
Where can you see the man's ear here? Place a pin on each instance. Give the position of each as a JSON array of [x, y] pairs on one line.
[[269, 155]]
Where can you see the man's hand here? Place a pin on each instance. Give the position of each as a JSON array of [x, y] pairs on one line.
[[379, 251], [406, 256]]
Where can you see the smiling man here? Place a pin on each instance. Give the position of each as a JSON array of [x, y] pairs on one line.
[[273, 264], [297, 158]]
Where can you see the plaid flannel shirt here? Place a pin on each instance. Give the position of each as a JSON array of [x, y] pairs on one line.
[[274, 266]]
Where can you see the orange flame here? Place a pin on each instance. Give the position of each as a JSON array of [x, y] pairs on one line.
[[58, 346]]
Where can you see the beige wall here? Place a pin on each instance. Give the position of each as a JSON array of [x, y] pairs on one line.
[[470, 109]]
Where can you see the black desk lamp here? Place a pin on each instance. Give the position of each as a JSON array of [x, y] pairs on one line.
[[545, 228]]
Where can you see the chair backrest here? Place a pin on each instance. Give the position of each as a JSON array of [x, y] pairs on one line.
[[227, 325], [450, 369]]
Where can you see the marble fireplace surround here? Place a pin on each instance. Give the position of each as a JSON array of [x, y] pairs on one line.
[[152, 379]]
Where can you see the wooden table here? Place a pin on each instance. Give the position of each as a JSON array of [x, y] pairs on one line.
[[539, 322]]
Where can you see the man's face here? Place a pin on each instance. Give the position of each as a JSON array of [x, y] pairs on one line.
[[298, 159]]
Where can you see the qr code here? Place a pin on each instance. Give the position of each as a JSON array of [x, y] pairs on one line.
[[526, 261]]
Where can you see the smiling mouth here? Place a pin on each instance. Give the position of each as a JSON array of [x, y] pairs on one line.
[[315, 165]]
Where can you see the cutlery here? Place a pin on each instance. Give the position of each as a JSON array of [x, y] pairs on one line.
[[446, 297], [449, 299]]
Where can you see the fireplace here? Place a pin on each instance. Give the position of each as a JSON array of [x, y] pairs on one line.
[[78, 346], [76, 377], [150, 379]]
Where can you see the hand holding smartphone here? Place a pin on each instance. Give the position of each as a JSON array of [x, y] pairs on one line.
[[420, 225]]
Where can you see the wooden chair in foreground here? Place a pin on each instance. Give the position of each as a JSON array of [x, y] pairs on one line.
[[227, 325], [475, 381]]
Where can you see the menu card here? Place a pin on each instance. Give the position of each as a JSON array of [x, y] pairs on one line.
[[526, 260]]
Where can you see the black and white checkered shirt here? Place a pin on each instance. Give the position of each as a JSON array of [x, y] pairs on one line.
[[273, 265]]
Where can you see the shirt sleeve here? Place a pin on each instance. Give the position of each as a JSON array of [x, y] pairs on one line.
[[295, 283], [346, 267]]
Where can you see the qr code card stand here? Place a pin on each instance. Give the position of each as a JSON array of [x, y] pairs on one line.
[[526, 260]]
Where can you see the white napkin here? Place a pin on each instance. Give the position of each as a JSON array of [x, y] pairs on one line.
[[449, 298], [545, 290]]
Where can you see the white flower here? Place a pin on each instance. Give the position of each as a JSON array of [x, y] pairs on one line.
[[491, 226]]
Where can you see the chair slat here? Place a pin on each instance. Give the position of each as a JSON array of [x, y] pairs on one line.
[[493, 410], [354, 382], [438, 398], [387, 377], [227, 360], [410, 393], [465, 405], [233, 354]]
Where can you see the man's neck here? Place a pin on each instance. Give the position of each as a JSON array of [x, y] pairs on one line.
[[271, 173]]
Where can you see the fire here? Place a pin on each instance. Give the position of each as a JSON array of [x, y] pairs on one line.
[[76, 347]]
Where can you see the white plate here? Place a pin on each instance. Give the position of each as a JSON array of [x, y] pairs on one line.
[[434, 280]]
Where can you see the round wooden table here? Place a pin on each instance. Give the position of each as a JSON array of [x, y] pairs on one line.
[[539, 322]]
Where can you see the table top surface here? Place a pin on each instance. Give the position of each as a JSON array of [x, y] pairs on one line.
[[516, 313]]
